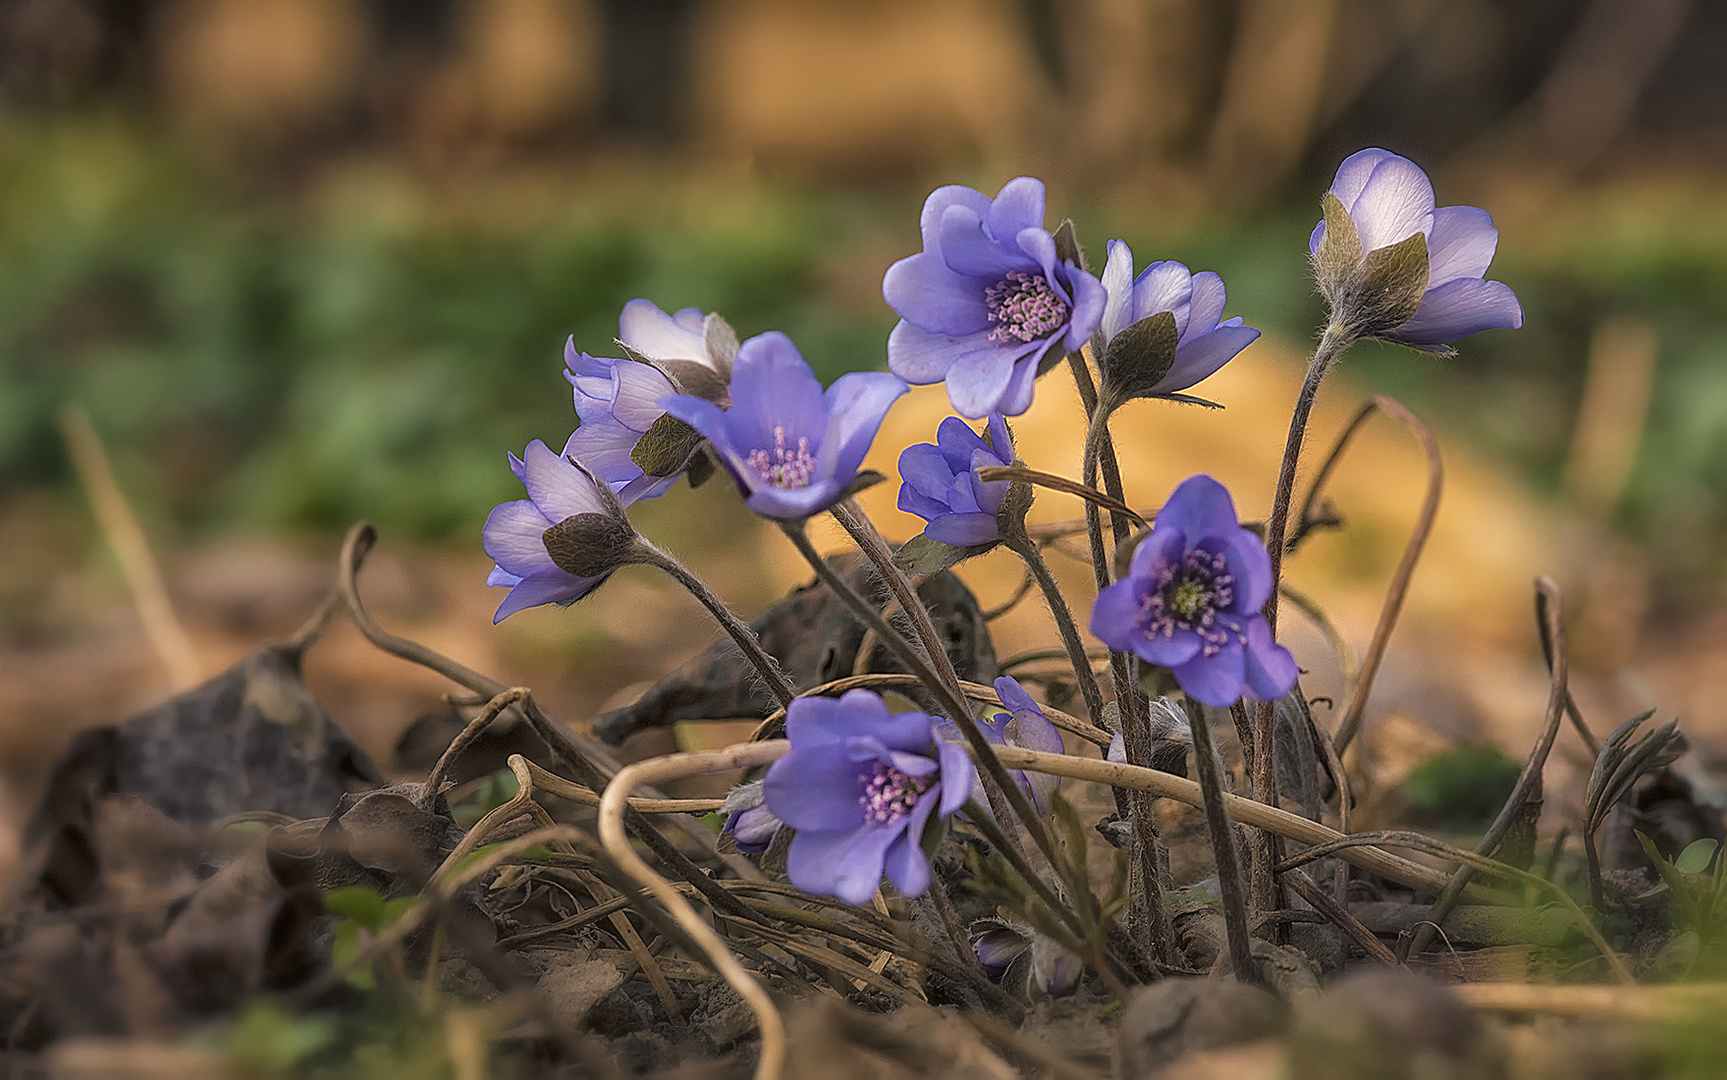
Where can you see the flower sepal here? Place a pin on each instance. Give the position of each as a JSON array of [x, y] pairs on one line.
[[1138, 358], [667, 446], [923, 554], [590, 545]]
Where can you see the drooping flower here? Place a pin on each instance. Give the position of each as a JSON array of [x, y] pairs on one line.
[[861, 785], [618, 400], [939, 481], [1376, 288], [749, 823], [1201, 343], [986, 299], [792, 449], [562, 541], [1023, 725], [1016, 955], [1191, 598]]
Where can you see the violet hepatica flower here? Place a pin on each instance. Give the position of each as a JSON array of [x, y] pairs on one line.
[[562, 541], [1191, 598], [939, 482], [861, 786], [1023, 725], [1012, 952], [1204, 341], [749, 823], [1382, 201], [617, 401], [986, 299], [793, 449]]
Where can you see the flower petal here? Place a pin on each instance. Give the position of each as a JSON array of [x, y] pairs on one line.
[[1163, 286], [1251, 567], [650, 332], [552, 586], [1199, 507], [926, 470], [1204, 305], [1395, 203], [1353, 174], [1088, 301], [914, 502], [957, 443], [847, 865], [604, 446], [556, 487], [639, 388], [968, 249], [1018, 205], [1203, 355], [964, 530], [978, 380], [1022, 380], [1115, 614], [856, 404], [1215, 680], [938, 202], [907, 867], [500, 576], [925, 292], [1271, 669], [1461, 244], [957, 775], [1118, 290], [513, 537], [921, 357], [1457, 309], [816, 787], [774, 394]]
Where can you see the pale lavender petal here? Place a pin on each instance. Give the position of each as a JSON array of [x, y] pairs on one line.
[[556, 487], [913, 502], [773, 391], [921, 357], [996, 949], [1202, 356], [847, 865], [1039, 247], [926, 470], [924, 291], [1000, 438], [964, 530], [1461, 244], [1088, 300], [1205, 306], [1022, 381], [1353, 174], [1249, 564], [856, 404], [1459, 308], [500, 576], [938, 202], [968, 249], [816, 787], [1115, 614], [604, 446], [1215, 680], [958, 443], [978, 380], [1179, 647], [652, 333], [957, 773], [1394, 204], [1163, 286], [1199, 507], [906, 866], [705, 417], [1017, 206], [1118, 290], [639, 390], [512, 537], [1271, 670], [793, 504], [546, 587], [1117, 751]]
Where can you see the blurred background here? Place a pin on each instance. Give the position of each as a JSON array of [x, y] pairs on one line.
[[309, 261]]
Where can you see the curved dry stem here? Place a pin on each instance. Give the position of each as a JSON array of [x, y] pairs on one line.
[[494, 708], [1550, 615], [1247, 811], [1061, 484], [564, 789], [613, 804], [1362, 685]]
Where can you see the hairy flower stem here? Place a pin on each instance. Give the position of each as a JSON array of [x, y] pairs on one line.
[[1267, 848], [1005, 796], [1023, 546], [1223, 850], [745, 639], [863, 531], [1150, 920]]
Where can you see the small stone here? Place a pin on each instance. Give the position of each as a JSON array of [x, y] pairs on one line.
[[1171, 1019]]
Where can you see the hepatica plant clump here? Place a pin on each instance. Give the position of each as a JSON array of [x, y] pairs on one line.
[[899, 833]]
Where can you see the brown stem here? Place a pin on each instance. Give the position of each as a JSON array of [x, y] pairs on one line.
[[1022, 546], [1229, 883], [864, 533], [740, 633]]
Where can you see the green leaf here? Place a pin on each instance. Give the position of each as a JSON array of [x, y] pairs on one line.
[[358, 903], [923, 556], [344, 947], [1695, 858], [1463, 788], [666, 446]]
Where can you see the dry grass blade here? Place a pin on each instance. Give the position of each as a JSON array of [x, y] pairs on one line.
[[1061, 484], [566, 789], [613, 805]]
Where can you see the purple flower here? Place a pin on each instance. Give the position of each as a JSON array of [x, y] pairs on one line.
[[1388, 199], [1043, 964], [1191, 598], [940, 483], [1203, 344], [792, 449], [986, 299], [749, 823], [1024, 725], [619, 400], [547, 547], [860, 787]]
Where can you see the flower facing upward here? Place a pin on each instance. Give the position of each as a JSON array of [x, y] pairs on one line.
[[940, 482], [1201, 343], [986, 299], [860, 786], [562, 541], [1426, 298], [1190, 601], [792, 449]]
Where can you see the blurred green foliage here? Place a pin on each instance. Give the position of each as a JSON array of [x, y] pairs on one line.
[[372, 348], [1462, 789]]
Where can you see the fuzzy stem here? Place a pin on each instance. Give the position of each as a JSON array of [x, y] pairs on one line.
[[863, 531], [745, 639], [1267, 848], [1223, 849], [1023, 546]]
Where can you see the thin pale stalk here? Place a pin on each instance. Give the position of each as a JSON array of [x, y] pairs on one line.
[[766, 666], [1267, 849], [1229, 878]]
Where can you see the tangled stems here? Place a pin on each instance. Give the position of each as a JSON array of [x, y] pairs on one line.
[[1005, 797], [863, 532], [766, 666], [1331, 346], [1017, 541]]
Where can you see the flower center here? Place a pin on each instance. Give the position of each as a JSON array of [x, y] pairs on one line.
[[1189, 595], [889, 794], [1024, 307], [783, 466]]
